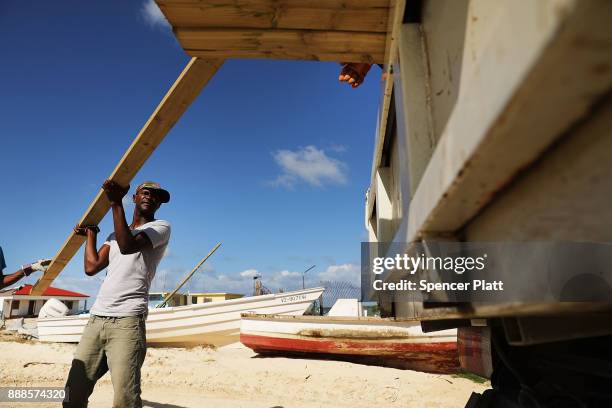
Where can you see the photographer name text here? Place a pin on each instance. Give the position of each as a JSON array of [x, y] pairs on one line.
[[413, 264], [425, 286]]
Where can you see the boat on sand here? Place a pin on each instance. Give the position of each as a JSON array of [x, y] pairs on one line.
[[214, 323], [369, 340]]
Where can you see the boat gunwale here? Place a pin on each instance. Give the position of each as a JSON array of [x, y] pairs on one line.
[[174, 309], [247, 299], [328, 319]]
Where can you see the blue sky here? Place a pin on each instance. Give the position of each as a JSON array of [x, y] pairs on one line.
[[273, 158]]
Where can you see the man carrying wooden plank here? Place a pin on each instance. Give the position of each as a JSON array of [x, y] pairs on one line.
[[114, 338], [25, 270]]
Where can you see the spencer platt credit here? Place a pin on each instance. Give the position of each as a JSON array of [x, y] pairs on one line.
[[412, 264], [425, 286]]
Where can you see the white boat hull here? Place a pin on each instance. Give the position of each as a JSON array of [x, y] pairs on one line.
[[215, 323]]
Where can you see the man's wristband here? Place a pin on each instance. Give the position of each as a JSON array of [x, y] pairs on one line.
[[94, 228], [86, 228]]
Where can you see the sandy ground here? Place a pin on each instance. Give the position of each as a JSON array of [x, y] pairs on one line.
[[233, 376]]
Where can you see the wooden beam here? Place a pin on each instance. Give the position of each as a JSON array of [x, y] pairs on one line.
[[285, 55], [349, 15], [183, 92], [283, 44], [394, 24]]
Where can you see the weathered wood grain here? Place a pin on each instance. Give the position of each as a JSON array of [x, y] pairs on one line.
[[283, 44], [350, 15], [394, 24]]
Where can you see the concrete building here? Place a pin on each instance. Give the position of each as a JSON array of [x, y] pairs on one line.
[[182, 299], [206, 297], [155, 298], [17, 302]]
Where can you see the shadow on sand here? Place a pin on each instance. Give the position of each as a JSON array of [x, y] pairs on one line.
[[152, 404]]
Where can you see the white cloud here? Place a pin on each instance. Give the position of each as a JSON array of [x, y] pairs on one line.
[[345, 272], [249, 273], [285, 279], [288, 274], [310, 165], [153, 15], [284, 180], [242, 282]]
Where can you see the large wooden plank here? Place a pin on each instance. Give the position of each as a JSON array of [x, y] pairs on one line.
[[394, 24], [183, 92], [283, 44], [285, 55], [349, 15]]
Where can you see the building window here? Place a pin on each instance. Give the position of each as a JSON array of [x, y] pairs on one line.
[[68, 303], [194, 300], [15, 305]]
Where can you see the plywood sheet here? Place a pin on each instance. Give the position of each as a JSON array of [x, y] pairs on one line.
[[350, 15], [283, 44], [317, 30]]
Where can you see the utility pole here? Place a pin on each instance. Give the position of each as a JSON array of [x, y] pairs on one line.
[[303, 274]]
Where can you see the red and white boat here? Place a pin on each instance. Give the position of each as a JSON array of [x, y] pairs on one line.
[[369, 340]]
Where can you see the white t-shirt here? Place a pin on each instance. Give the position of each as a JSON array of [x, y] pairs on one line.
[[125, 290]]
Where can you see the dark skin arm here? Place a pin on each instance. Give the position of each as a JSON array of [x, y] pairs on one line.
[[94, 260], [128, 243], [8, 280]]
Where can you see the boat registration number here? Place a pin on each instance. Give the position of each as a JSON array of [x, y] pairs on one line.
[[291, 299]]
